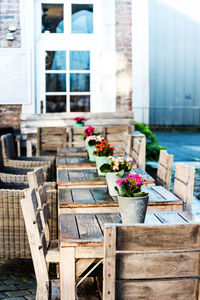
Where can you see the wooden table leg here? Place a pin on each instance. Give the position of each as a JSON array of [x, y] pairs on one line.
[[67, 273]]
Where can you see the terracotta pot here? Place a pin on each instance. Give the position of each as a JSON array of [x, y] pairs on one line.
[[133, 209]]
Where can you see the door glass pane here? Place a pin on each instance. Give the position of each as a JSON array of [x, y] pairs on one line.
[[55, 104], [55, 60], [79, 103], [79, 82], [79, 60], [52, 18], [82, 18], [55, 82]]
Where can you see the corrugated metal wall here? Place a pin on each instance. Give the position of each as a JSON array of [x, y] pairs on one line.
[[174, 40]]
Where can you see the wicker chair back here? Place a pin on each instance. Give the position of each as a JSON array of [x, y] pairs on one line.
[[8, 147]]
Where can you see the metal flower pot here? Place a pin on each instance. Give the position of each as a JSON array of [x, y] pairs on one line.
[[90, 150], [100, 160], [133, 209]]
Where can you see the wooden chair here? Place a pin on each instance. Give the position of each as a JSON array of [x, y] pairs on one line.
[[50, 139], [36, 215], [138, 151], [36, 180], [74, 136], [164, 172], [114, 134], [184, 184], [151, 262]]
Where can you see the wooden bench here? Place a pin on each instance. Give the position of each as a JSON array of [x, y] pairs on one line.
[[151, 262], [138, 150]]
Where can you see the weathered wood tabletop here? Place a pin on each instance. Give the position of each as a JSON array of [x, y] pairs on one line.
[[87, 178], [98, 200], [74, 162], [72, 151], [81, 237]]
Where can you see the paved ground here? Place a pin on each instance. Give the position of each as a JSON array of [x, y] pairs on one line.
[[184, 146]]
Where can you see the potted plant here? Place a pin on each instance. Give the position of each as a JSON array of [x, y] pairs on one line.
[[132, 201], [102, 153], [80, 121], [89, 131], [91, 142], [117, 167]]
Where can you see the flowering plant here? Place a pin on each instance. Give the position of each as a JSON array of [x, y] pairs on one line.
[[130, 186], [117, 164], [103, 149], [89, 131], [94, 139], [79, 120]]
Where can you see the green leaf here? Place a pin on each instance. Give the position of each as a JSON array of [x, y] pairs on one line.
[[120, 173], [140, 194], [105, 168]]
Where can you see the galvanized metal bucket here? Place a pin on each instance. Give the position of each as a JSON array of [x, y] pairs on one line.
[[133, 209]]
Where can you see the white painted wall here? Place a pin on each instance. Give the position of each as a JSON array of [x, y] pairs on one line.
[[140, 46]]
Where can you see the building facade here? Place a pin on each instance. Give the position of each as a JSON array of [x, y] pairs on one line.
[[64, 55]]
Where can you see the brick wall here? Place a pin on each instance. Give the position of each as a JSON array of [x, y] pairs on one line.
[[10, 116], [124, 55], [9, 15]]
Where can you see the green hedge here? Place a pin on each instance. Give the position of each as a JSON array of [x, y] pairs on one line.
[[152, 147]]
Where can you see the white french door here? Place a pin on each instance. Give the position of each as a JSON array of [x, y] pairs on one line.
[[66, 55]]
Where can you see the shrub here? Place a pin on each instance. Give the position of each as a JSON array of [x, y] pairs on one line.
[[152, 147]]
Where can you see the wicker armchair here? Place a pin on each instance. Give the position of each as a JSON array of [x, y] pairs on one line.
[[10, 159], [13, 236]]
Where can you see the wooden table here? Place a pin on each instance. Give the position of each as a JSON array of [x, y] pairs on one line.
[[88, 178], [81, 241], [98, 200], [74, 162], [72, 151]]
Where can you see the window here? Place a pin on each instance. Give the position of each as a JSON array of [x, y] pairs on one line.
[[67, 84]]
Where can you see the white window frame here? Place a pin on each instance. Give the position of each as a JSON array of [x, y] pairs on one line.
[[105, 85]]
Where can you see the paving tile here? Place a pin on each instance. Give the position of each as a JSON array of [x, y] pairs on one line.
[[31, 297], [3, 295], [12, 281], [14, 298], [18, 293], [32, 290], [6, 288], [26, 286]]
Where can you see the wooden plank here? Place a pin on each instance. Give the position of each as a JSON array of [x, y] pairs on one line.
[[170, 218], [147, 238], [64, 197], [165, 193], [82, 265], [157, 289], [153, 195], [68, 227], [89, 228], [151, 219], [101, 195], [108, 218], [109, 266], [82, 196], [75, 151], [67, 273], [189, 217], [156, 265], [36, 178]]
